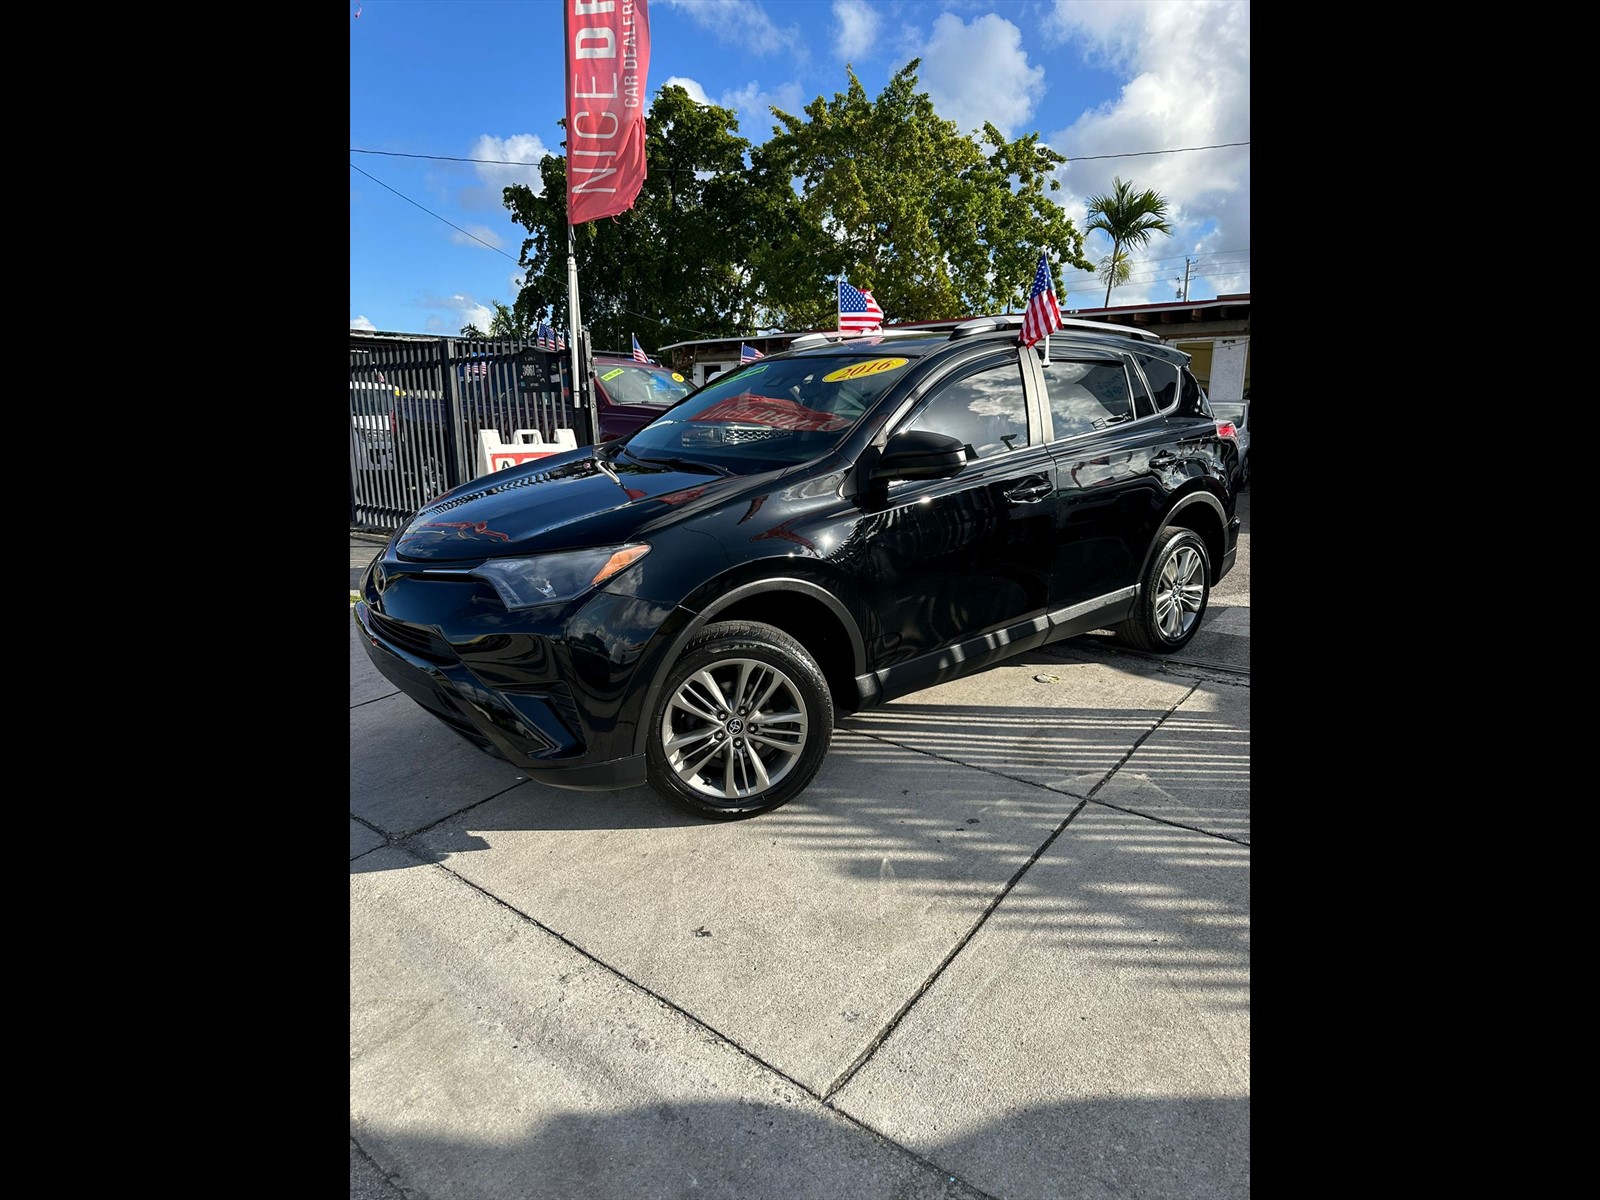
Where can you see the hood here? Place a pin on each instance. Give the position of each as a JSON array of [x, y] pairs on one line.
[[562, 502]]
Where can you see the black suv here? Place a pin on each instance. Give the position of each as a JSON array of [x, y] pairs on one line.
[[816, 532]]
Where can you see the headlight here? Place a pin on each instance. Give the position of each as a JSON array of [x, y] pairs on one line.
[[555, 578]]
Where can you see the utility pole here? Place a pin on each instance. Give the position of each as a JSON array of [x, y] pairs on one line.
[[1183, 293]]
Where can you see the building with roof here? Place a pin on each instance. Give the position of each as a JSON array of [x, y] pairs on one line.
[[1214, 333]]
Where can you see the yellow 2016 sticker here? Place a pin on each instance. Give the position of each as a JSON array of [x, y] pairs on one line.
[[676, 378], [871, 367]]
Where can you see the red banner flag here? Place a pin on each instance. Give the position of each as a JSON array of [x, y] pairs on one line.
[[608, 58]]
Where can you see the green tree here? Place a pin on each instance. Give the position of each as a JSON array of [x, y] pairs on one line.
[[882, 192], [1115, 268], [674, 266], [1129, 218], [897, 200], [504, 324]]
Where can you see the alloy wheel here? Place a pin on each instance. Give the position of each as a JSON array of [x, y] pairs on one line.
[[735, 729], [1180, 592]]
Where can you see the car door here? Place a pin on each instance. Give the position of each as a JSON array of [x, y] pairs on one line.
[[1106, 441], [960, 560]]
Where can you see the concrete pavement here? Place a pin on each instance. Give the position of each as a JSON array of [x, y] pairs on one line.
[[999, 947]]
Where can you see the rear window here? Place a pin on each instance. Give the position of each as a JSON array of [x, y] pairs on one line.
[[1087, 394], [772, 413]]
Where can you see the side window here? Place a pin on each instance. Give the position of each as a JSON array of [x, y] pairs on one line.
[[986, 409], [1194, 400], [1163, 378], [1087, 394]]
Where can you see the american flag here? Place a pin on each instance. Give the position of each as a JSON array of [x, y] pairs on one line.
[[561, 340], [858, 311], [748, 354], [544, 337], [1042, 314], [638, 351]]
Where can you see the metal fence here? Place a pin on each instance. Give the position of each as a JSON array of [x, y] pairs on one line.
[[418, 406]]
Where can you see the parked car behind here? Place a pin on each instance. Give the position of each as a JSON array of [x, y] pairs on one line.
[[631, 394], [819, 531], [1237, 411]]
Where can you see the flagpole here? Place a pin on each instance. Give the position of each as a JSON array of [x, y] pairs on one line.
[[581, 391]]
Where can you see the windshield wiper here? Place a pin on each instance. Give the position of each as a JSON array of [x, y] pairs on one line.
[[683, 464]]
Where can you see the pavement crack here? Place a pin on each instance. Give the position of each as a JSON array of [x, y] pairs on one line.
[[883, 1034]]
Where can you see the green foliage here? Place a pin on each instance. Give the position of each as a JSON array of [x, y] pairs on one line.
[[671, 267], [1129, 218], [725, 239]]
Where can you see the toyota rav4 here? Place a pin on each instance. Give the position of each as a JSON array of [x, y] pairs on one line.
[[814, 533]]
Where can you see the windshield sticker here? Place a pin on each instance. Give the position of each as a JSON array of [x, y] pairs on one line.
[[755, 370], [676, 378], [612, 374], [870, 367], [747, 408]]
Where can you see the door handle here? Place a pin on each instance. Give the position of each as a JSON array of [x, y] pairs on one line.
[[1030, 491]]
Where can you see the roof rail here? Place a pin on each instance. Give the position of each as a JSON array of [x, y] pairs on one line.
[[807, 340], [1014, 321], [1143, 335], [986, 325]]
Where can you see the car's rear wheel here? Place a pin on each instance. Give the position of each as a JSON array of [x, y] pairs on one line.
[[743, 722], [1172, 595]]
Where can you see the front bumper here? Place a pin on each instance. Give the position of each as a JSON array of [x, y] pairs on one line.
[[541, 732]]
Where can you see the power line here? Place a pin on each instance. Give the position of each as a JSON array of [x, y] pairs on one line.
[[1138, 153], [433, 214], [1065, 282], [506, 162]]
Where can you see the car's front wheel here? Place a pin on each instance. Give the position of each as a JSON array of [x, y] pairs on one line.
[[1172, 595], [742, 724]]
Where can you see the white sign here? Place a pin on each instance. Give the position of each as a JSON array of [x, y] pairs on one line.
[[525, 446]]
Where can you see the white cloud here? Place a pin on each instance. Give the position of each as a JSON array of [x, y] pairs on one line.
[[462, 310], [1186, 71], [363, 323], [692, 86], [745, 25], [856, 28], [749, 104], [477, 235], [509, 161], [979, 72]]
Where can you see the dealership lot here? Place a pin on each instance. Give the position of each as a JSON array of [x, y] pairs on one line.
[[999, 947]]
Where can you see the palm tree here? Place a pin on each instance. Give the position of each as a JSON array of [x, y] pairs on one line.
[[1129, 219]]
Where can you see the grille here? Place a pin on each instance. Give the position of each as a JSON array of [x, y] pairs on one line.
[[421, 642]]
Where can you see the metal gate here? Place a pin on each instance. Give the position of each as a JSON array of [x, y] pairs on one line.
[[417, 405]]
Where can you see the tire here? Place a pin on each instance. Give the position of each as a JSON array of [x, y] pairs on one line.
[[736, 678], [1172, 595]]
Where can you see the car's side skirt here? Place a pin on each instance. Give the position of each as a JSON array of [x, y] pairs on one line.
[[975, 653]]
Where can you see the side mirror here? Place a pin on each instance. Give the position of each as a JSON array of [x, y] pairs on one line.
[[920, 454]]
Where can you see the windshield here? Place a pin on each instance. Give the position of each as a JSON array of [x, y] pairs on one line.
[[639, 384], [771, 414]]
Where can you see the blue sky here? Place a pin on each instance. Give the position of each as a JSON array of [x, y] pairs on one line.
[[1154, 91]]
